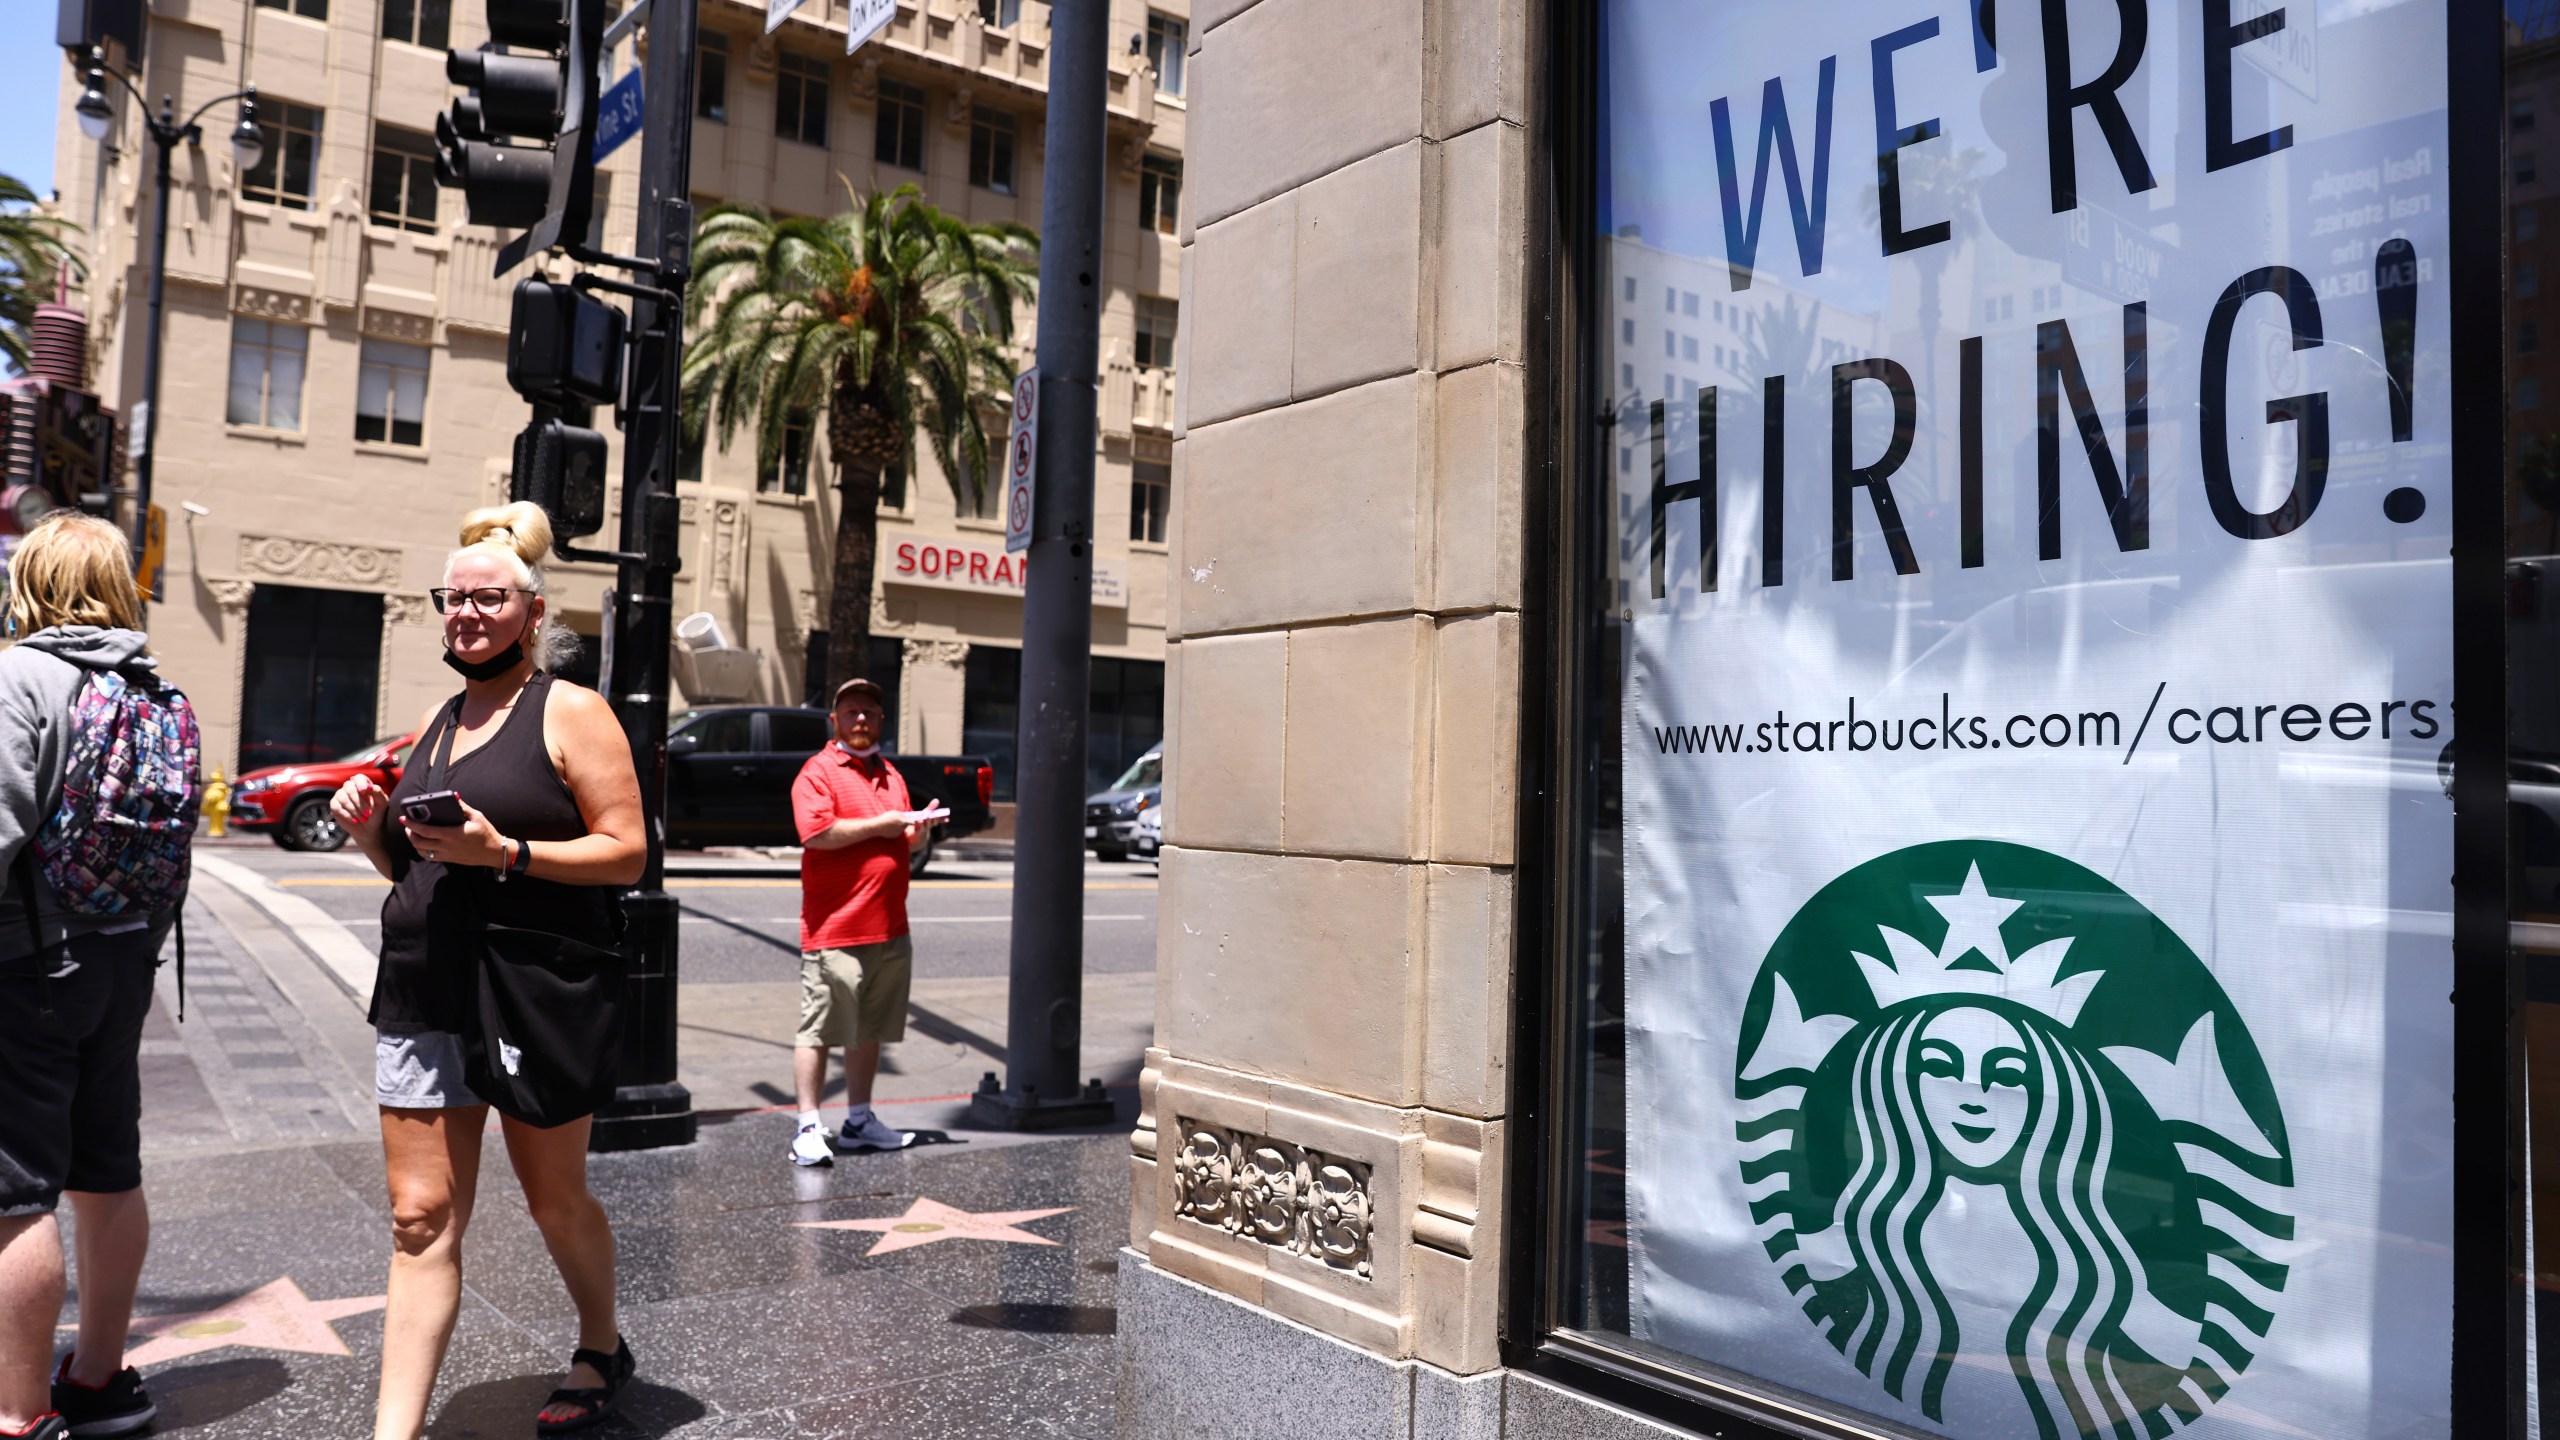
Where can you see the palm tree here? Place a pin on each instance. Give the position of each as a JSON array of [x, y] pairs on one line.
[[33, 246], [892, 317]]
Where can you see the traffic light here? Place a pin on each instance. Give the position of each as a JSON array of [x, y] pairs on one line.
[[564, 346], [561, 467], [534, 84]]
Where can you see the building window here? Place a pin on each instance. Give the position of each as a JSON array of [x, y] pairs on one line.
[[283, 175], [2528, 394], [418, 22], [2524, 171], [792, 476], [1166, 37], [2528, 338], [1689, 303], [391, 393], [309, 676], [800, 100], [897, 136], [689, 458], [893, 488], [1631, 289], [1150, 501], [1670, 346], [1000, 14], [404, 180], [267, 362], [1626, 332], [991, 150], [2528, 221], [1160, 193], [2528, 280], [1157, 319], [711, 77], [2520, 114], [308, 9]]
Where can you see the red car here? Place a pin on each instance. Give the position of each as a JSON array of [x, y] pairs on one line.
[[291, 802]]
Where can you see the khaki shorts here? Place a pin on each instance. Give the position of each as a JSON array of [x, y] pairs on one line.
[[856, 995]]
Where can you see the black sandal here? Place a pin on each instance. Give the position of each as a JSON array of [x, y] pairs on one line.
[[597, 1401]]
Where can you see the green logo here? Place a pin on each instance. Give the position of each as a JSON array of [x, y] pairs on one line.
[[2011, 1147]]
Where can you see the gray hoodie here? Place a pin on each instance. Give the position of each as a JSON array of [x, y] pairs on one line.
[[40, 677]]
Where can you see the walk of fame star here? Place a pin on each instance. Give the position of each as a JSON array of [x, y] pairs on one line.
[[275, 1316], [928, 1221]]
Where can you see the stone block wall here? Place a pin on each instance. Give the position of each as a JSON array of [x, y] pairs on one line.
[[1325, 1108]]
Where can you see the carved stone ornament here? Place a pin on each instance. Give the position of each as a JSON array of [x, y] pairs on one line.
[[407, 610], [231, 595], [949, 654], [330, 562], [399, 325], [265, 304], [1286, 1196]]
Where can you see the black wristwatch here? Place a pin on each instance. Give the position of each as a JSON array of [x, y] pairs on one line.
[[522, 864]]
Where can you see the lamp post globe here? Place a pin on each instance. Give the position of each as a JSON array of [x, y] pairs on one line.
[[248, 142], [94, 111]]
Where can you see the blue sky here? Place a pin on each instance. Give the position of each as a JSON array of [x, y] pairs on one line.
[[30, 78]]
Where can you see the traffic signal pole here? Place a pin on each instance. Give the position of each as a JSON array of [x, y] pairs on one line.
[[650, 1108], [1044, 1016]]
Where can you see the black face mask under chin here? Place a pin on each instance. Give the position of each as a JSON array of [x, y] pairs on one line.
[[491, 668]]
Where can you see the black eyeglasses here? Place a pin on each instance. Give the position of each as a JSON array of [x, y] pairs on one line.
[[488, 599]]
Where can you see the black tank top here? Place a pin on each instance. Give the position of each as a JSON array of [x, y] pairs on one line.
[[428, 923]]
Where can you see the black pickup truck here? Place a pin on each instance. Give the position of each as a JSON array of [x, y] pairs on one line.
[[730, 768]]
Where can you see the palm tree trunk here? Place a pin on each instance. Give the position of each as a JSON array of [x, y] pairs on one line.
[[857, 557]]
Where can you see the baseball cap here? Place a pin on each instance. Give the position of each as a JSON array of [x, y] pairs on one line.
[[858, 686]]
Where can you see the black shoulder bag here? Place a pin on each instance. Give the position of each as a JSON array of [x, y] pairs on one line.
[[543, 1038]]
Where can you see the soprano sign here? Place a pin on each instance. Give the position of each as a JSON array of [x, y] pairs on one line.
[[2032, 457], [933, 564]]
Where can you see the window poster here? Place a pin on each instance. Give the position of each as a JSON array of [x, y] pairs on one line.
[[2030, 437]]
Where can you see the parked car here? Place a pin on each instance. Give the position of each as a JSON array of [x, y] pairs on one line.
[[1111, 816], [1151, 829], [291, 802], [730, 768]]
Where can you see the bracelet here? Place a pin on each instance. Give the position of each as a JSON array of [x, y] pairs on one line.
[[523, 863]]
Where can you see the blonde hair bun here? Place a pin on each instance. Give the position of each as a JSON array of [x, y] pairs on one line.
[[521, 529]]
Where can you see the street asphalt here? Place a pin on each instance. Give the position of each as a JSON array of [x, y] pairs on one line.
[[958, 1289]]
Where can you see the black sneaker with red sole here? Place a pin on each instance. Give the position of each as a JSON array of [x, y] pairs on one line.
[[119, 1407]]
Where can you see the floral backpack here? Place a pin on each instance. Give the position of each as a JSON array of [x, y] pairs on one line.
[[121, 839]]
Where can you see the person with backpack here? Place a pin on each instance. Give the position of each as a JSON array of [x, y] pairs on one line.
[[513, 825], [98, 780]]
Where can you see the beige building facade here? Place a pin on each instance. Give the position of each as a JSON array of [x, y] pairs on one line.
[[333, 387]]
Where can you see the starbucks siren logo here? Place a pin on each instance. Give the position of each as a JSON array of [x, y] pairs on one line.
[[2031, 1179]]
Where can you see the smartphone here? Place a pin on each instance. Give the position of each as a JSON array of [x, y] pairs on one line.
[[437, 807]]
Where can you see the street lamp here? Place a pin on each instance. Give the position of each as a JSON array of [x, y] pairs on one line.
[[248, 147]]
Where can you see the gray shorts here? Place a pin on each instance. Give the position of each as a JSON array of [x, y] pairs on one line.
[[420, 1072]]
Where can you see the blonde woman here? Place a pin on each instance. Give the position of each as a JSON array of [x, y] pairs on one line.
[[70, 1017], [550, 827]]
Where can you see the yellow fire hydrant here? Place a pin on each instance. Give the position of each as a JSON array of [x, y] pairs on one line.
[[217, 804]]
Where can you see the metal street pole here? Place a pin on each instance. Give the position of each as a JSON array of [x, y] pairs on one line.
[[1044, 1019], [165, 136], [650, 1108]]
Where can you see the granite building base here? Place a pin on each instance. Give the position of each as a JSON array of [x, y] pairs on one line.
[[1196, 1362]]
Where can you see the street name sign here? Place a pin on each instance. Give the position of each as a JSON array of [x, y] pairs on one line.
[[865, 19], [618, 114]]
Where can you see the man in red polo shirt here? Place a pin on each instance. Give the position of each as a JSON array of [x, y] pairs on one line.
[[857, 827]]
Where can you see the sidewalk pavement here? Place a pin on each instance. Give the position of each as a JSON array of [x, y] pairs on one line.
[[954, 1290]]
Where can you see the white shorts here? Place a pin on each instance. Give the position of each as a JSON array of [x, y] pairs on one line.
[[420, 1072]]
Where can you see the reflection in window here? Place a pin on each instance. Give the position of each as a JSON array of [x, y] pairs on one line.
[[991, 150], [391, 393], [897, 136], [403, 192], [711, 77], [267, 363], [1159, 192], [284, 173], [1150, 500], [1166, 37], [800, 99], [419, 22]]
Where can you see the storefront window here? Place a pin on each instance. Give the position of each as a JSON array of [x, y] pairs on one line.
[[2006, 947], [1125, 719]]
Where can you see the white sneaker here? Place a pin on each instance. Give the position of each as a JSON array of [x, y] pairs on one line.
[[872, 1134], [810, 1147]]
